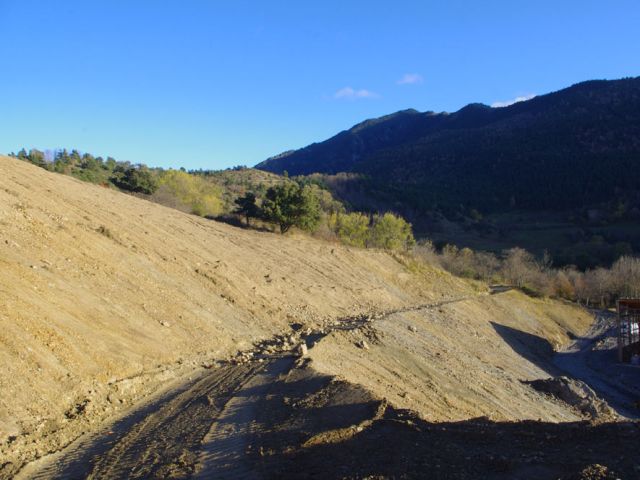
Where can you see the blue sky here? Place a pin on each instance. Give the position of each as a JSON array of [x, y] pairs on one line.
[[211, 84]]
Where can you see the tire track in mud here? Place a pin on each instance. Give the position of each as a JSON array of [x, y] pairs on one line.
[[201, 429], [162, 441], [150, 449], [224, 448]]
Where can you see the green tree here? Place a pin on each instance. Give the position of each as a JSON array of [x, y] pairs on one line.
[[135, 178], [62, 161], [247, 206], [291, 205], [391, 232], [89, 162], [37, 158], [351, 228], [192, 192], [110, 164]]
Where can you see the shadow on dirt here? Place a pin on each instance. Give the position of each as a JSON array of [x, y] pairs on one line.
[[535, 349], [613, 382], [314, 427], [495, 289]]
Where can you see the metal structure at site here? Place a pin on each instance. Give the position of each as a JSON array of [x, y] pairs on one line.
[[628, 328]]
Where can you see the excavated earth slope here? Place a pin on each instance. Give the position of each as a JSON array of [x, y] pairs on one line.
[[104, 297], [107, 298], [460, 360]]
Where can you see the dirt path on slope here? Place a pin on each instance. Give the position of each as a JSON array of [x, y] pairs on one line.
[[592, 358], [203, 426], [268, 414], [159, 440], [224, 449]]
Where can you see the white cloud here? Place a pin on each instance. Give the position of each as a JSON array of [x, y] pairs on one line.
[[348, 93], [506, 103], [410, 79]]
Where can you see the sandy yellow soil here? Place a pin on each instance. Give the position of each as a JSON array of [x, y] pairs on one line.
[[461, 360], [104, 297]]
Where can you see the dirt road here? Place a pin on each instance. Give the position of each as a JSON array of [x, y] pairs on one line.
[[201, 428], [268, 414], [107, 297], [592, 359], [159, 440], [224, 448]]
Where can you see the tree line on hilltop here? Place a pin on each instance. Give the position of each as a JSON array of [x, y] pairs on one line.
[[280, 201], [245, 196]]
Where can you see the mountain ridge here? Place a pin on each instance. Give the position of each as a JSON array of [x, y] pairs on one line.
[[547, 152]]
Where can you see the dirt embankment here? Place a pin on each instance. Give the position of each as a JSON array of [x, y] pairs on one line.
[[460, 360], [272, 415], [104, 297], [315, 426]]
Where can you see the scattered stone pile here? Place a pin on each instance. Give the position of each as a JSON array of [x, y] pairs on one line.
[[577, 394], [300, 339]]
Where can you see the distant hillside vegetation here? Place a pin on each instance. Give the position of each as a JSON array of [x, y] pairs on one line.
[[575, 147]]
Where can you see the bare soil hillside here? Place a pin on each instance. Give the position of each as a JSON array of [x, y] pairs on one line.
[[460, 360], [114, 307], [105, 297]]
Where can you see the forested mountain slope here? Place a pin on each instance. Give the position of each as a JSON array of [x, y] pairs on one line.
[[567, 149]]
